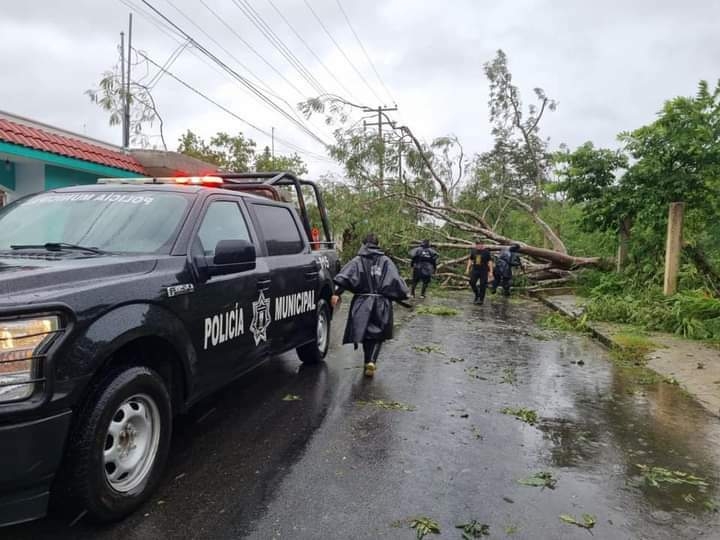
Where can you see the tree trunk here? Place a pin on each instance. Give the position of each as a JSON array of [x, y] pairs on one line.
[[552, 237]]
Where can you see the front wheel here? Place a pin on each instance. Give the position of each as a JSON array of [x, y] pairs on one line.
[[316, 350], [120, 444]]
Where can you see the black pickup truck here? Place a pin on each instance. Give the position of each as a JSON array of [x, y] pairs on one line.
[[123, 303]]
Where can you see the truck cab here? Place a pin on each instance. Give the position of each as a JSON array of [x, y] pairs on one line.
[[124, 303]]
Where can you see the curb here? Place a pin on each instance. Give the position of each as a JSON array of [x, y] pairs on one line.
[[603, 338]]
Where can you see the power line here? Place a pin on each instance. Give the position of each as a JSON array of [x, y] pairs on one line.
[[302, 40], [288, 144], [367, 56], [249, 85], [352, 65], [249, 46], [172, 33], [218, 44], [255, 18]]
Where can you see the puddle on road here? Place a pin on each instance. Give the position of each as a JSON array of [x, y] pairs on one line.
[[602, 422]]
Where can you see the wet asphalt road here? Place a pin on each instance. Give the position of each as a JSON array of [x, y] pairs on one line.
[[246, 464]]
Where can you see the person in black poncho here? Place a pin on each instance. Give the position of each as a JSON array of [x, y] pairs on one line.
[[424, 263], [375, 282]]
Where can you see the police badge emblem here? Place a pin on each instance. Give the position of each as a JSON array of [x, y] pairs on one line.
[[261, 318]]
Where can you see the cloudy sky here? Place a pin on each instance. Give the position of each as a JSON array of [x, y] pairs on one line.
[[609, 64]]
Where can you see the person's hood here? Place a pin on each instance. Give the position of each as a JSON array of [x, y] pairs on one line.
[[370, 250]]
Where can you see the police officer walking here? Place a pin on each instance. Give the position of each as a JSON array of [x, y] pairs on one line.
[[375, 281], [479, 267], [424, 263], [502, 276]]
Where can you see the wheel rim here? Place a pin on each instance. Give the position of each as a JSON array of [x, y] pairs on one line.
[[322, 331], [131, 443]]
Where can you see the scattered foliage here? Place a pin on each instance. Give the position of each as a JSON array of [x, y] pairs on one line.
[[441, 311], [588, 520], [427, 348], [509, 376], [389, 405], [424, 526], [291, 397], [659, 477], [541, 479], [528, 416], [474, 529]]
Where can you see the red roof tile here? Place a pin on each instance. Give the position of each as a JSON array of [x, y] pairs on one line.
[[39, 139]]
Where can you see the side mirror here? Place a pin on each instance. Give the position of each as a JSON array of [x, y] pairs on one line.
[[232, 256]]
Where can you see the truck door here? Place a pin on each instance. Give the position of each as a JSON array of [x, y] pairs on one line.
[[228, 313], [294, 276]]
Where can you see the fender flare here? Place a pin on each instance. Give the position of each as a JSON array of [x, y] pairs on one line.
[[120, 326]]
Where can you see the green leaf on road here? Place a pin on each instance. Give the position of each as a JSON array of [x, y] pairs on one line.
[[428, 349], [474, 529], [291, 397], [389, 405], [424, 526], [528, 416], [442, 311], [659, 477], [588, 520], [542, 479]]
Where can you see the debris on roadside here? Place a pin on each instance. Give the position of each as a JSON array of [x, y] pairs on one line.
[[509, 376], [659, 476], [588, 520], [455, 360], [424, 526], [542, 479], [474, 529], [428, 349], [528, 416], [291, 397], [389, 405], [441, 311], [473, 373]]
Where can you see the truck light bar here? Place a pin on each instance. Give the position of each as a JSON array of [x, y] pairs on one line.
[[208, 181]]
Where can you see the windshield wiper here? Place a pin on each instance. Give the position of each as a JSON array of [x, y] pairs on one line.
[[59, 246]]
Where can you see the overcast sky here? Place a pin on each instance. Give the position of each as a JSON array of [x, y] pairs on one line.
[[609, 64]]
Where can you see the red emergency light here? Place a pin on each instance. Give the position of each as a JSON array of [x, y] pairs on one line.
[[199, 180]]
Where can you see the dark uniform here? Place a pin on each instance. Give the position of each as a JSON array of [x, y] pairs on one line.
[[424, 262], [479, 272], [375, 281], [502, 275]]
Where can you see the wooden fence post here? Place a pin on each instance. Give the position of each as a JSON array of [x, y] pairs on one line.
[[623, 243], [673, 247]]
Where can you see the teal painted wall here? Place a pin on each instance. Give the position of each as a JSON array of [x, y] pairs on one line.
[[7, 177], [57, 177]]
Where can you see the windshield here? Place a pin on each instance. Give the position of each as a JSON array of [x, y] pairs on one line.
[[131, 222]]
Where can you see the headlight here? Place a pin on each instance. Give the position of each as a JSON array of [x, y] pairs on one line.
[[19, 343]]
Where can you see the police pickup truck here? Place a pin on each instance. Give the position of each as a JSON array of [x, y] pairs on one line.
[[124, 302]]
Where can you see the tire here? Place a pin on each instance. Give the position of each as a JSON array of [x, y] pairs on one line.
[[315, 351], [119, 444]]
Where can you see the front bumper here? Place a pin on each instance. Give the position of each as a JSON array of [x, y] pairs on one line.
[[29, 456]]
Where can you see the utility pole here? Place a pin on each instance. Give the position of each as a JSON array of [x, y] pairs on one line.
[[126, 82], [380, 113], [273, 142], [122, 82]]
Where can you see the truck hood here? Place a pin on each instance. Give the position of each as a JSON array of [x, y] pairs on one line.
[[38, 278]]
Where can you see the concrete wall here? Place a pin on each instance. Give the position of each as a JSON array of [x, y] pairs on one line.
[[58, 177], [29, 178]]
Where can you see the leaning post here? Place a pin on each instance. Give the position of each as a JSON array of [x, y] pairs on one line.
[[673, 247]]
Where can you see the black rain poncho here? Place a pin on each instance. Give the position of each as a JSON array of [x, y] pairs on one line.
[[375, 281], [424, 261]]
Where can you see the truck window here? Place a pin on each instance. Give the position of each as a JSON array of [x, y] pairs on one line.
[[223, 221], [122, 222], [281, 233]]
